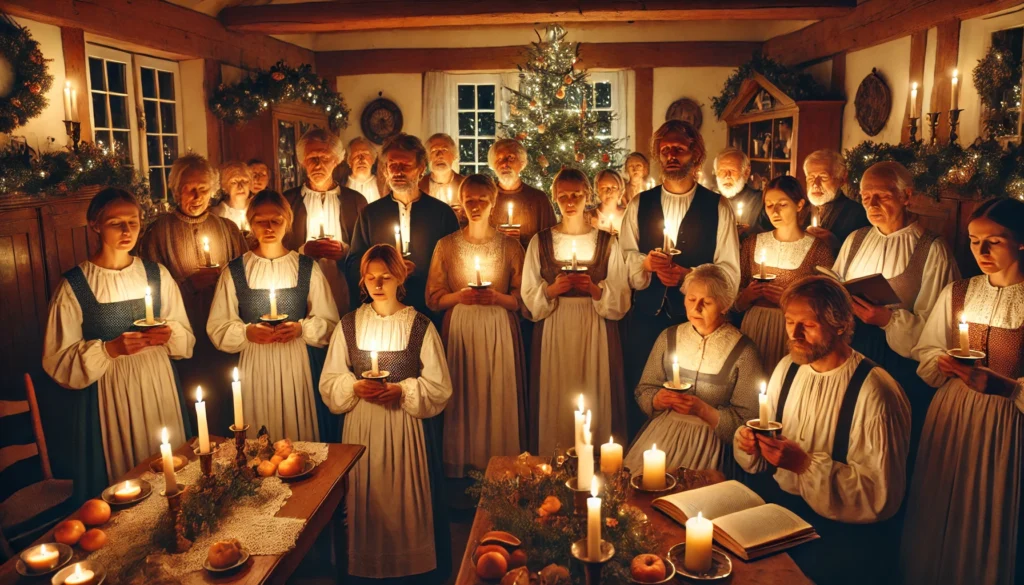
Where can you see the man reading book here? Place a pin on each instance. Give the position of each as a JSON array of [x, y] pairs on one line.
[[841, 456]]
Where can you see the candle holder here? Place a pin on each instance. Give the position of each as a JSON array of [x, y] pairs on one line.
[[592, 567], [110, 496], [672, 251], [637, 483], [913, 130], [480, 285], [972, 356], [571, 462], [99, 573], [762, 277], [74, 131], [206, 460], [378, 376], [721, 564], [933, 123], [954, 121], [579, 497], [574, 269], [619, 481], [31, 564], [681, 388], [275, 320], [240, 459], [772, 430], [174, 500]]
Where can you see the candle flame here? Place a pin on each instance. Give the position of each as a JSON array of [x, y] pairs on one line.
[[126, 486], [654, 446], [956, 73], [43, 549], [510, 210], [675, 360], [206, 244], [234, 374], [78, 570], [272, 293], [593, 486], [764, 387], [579, 402], [67, 84], [397, 230], [199, 393], [163, 436], [700, 516], [913, 86], [963, 319], [611, 440], [764, 255], [476, 261]]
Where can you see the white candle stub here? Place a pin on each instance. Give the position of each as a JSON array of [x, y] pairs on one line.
[[965, 336], [611, 457], [593, 523], [654, 469], [236, 397], [127, 492], [699, 535], [80, 576], [43, 559], [764, 414]]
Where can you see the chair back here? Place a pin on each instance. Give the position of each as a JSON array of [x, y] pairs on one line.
[[23, 456]]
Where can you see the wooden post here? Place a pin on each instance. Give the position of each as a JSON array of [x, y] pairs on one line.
[[644, 111], [211, 80], [75, 70], [947, 49], [918, 47]]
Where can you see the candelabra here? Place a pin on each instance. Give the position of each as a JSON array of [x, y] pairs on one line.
[[74, 131], [954, 121], [933, 123], [913, 130]]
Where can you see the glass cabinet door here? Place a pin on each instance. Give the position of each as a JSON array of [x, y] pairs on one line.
[[286, 157]]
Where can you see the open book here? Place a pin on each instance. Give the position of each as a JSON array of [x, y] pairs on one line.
[[873, 288], [744, 523]]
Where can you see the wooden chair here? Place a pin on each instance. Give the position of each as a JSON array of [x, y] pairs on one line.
[[32, 500]]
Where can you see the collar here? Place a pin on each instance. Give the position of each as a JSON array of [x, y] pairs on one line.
[[686, 195], [183, 217], [391, 195], [353, 181], [307, 191]]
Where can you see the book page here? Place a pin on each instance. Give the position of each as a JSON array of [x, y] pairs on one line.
[[828, 272], [712, 501], [762, 525]]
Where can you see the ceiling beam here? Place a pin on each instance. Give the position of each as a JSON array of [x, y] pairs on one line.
[[594, 55], [355, 15], [162, 26], [874, 22]]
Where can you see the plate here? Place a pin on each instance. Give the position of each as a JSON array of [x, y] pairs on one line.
[[972, 355], [155, 323], [637, 482], [157, 465], [241, 561], [278, 319], [64, 554], [381, 375], [721, 564], [479, 285], [306, 470], [99, 573], [569, 268], [754, 424], [764, 277], [670, 573], [682, 387], [146, 491]]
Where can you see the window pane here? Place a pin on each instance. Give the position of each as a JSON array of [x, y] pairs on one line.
[[148, 82], [99, 110], [96, 74], [117, 77], [467, 125], [170, 149], [102, 138], [482, 147], [604, 123], [466, 101], [485, 97], [485, 123], [121, 146], [156, 182], [153, 150], [466, 151], [152, 122], [166, 85], [167, 117], [465, 169], [604, 94], [118, 111]]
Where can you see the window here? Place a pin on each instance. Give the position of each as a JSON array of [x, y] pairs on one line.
[[477, 124], [609, 103], [136, 110]]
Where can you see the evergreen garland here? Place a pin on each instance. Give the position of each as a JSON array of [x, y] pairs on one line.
[[27, 96], [795, 84], [997, 77], [263, 88], [64, 171]]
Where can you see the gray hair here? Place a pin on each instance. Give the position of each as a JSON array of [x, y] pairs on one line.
[[232, 169], [364, 141], [332, 141], [188, 163], [719, 284], [733, 151], [442, 136], [492, 153], [893, 173], [835, 161]]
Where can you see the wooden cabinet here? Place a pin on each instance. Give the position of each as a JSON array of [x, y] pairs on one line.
[[776, 132], [271, 137]]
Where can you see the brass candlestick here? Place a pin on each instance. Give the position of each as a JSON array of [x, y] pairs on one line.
[[913, 130], [954, 121], [206, 461], [933, 123], [74, 131], [592, 567], [240, 459], [174, 500]]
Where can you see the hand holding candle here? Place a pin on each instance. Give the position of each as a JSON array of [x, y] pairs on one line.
[[764, 414], [965, 337], [654, 469], [593, 522], [204, 430], [699, 534], [236, 395], [611, 457], [149, 307], [165, 453]]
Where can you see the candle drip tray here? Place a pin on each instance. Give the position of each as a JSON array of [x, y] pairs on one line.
[[721, 564], [670, 252], [145, 490], [971, 356], [637, 483], [680, 387], [765, 277], [99, 574], [371, 375], [156, 323], [569, 268], [275, 319], [64, 554], [479, 285], [774, 427]]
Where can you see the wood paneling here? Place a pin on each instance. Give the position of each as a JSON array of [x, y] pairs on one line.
[[947, 49], [75, 68], [871, 23], [644, 111], [353, 15], [918, 46], [66, 236], [595, 55], [23, 298]]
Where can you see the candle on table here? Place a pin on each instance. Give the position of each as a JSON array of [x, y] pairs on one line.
[[611, 457], [149, 306], [593, 523], [956, 86], [43, 559], [204, 430], [965, 339], [675, 371], [206, 251], [574, 254], [763, 258], [67, 100], [127, 492], [476, 262], [374, 365], [580, 417], [80, 576], [168, 459], [913, 100], [398, 238], [273, 303], [654, 469], [699, 534], [323, 219], [764, 415], [585, 464], [509, 213], [236, 396]]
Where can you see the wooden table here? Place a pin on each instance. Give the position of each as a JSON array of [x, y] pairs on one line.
[[778, 569], [316, 499]]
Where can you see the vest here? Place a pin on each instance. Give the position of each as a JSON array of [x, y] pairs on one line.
[[401, 364], [1003, 347], [107, 321], [252, 303], [597, 268], [907, 284]]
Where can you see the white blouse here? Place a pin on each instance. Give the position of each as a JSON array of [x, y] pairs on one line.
[[782, 255], [422, 397], [367, 188], [75, 362], [674, 206], [227, 330], [236, 215], [889, 256], [322, 207], [869, 486], [615, 298]]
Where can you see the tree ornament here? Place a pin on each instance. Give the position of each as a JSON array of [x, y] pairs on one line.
[[605, 157], [521, 136], [560, 94], [543, 161], [277, 76], [533, 104], [580, 157], [568, 79], [512, 109], [35, 88], [542, 128]]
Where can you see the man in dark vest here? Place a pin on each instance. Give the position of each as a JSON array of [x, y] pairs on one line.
[[696, 222], [840, 460], [418, 219], [834, 216]]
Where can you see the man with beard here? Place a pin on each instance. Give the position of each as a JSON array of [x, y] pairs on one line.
[[420, 221], [442, 182], [836, 215], [698, 222], [361, 156], [841, 460], [732, 173], [531, 208], [323, 208]]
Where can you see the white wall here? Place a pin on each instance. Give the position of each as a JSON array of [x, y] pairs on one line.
[[405, 89], [699, 84], [50, 123], [892, 60]]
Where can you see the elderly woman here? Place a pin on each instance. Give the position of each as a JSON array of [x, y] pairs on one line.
[[178, 241], [609, 212], [576, 340], [362, 155], [260, 174], [638, 176], [834, 216], [235, 184], [963, 522], [325, 212], [398, 521], [787, 254], [481, 333], [695, 427]]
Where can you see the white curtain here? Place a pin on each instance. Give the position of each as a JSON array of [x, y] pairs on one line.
[[438, 104]]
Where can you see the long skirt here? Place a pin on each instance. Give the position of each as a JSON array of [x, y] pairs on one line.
[[766, 327], [278, 391], [687, 440]]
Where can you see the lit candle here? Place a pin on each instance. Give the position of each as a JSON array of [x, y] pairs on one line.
[[574, 254], [764, 415], [814, 218], [374, 365], [67, 100], [913, 100], [509, 213], [965, 339], [654, 469], [149, 307], [666, 246], [80, 576], [168, 459], [323, 219], [585, 461], [611, 223], [611, 457], [273, 303], [699, 533], [763, 258], [593, 523], [739, 211], [127, 492], [43, 559], [206, 251], [398, 238], [479, 281], [236, 396], [580, 417], [675, 371], [956, 86], [204, 430], [74, 105]]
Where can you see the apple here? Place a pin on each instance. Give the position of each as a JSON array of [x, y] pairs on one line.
[[648, 568], [68, 532]]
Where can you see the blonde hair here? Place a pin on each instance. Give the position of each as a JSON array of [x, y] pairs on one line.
[[232, 169], [186, 164], [483, 181], [387, 254], [268, 197]]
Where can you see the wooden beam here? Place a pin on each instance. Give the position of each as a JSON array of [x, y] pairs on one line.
[[212, 79], [353, 15], [594, 55], [75, 71], [643, 116], [918, 46], [162, 26], [947, 50], [873, 22]]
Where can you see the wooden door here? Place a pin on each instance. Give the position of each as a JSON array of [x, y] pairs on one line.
[[23, 299]]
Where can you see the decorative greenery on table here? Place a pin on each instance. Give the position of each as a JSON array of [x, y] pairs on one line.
[[64, 171], [31, 80], [795, 84], [263, 88], [203, 504], [513, 501], [997, 77]]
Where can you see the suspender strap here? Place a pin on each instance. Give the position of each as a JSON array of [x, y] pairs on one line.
[[784, 392], [858, 239], [841, 443]]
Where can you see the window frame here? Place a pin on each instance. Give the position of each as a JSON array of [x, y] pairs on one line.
[[620, 102], [140, 61], [500, 111], [108, 54]]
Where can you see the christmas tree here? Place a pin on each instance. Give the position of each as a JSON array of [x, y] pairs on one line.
[[552, 114]]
